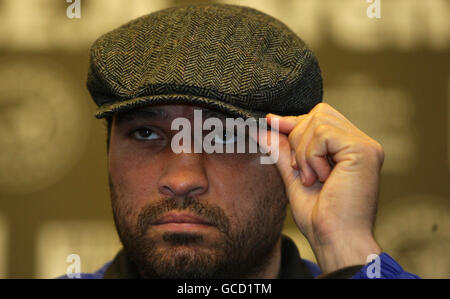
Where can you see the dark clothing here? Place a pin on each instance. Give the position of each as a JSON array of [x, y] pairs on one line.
[[292, 267]]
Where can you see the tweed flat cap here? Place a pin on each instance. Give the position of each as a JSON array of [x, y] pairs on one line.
[[229, 58]]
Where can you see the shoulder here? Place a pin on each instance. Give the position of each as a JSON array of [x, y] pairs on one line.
[[312, 267]]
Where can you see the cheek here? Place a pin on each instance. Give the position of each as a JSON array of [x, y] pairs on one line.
[[242, 183], [133, 175]]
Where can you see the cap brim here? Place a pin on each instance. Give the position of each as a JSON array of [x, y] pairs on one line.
[[109, 110]]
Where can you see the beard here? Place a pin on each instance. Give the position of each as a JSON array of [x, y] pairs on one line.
[[240, 252]]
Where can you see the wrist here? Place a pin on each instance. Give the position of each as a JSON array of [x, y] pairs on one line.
[[344, 251]]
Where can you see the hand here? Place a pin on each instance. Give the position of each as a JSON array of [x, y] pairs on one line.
[[331, 171]]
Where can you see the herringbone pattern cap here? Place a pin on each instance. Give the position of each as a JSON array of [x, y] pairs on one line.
[[229, 58]]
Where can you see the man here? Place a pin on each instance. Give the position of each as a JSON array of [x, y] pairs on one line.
[[197, 214]]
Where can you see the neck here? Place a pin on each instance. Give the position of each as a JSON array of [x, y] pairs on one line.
[[272, 268]]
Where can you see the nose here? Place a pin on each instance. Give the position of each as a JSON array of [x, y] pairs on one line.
[[184, 175]]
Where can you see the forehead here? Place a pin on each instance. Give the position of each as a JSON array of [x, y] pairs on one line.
[[167, 112]]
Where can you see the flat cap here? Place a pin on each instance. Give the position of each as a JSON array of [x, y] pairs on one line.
[[229, 58]]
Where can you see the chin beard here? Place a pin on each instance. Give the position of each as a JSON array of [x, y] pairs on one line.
[[186, 258]]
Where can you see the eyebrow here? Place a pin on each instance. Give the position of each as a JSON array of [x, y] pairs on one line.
[[213, 113], [141, 114]]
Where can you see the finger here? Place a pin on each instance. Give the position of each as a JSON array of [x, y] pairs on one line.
[[329, 110], [299, 195], [284, 163], [316, 156], [327, 143], [286, 123], [266, 141], [261, 134], [326, 108], [302, 137], [294, 161], [288, 174], [297, 143]]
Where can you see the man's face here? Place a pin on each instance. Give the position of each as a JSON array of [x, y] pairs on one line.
[[193, 215]]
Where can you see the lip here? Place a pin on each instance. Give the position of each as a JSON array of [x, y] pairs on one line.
[[180, 218]]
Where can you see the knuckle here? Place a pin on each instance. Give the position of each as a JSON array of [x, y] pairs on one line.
[[379, 151], [375, 151], [322, 130], [321, 106], [318, 118]]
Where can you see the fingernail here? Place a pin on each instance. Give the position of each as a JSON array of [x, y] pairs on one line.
[[302, 177], [293, 162]]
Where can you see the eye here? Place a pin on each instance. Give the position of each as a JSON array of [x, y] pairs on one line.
[[226, 137], [145, 134]]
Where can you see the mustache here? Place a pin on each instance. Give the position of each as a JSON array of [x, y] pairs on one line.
[[211, 213]]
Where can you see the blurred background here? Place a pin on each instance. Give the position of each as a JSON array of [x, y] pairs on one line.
[[385, 67]]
